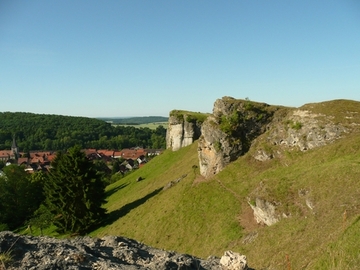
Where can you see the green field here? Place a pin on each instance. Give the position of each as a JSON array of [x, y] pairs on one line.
[[147, 125]]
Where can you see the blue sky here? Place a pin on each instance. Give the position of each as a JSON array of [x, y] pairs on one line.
[[148, 57]]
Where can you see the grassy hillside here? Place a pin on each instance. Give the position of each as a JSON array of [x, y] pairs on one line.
[[207, 217]]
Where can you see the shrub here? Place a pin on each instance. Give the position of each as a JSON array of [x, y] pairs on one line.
[[296, 125], [228, 124], [217, 146]]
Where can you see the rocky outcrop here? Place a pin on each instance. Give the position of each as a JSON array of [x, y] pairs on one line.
[[183, 128], [264, 212], [236, 125], [305, 130], [299, 129], [110, 252], [229, 131], [233, 261]]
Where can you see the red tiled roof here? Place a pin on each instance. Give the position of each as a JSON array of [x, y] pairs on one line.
[[109, 153], [132, 153], [89, 151], [51, 157], [22, 160], [4, 153], [42, 154], [117, 154], [37, 160]]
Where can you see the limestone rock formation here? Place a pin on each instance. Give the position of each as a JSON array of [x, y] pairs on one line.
[[183, 129], [229, 131], [233, 261], [304, 130], [110, 252], [236, 125], [264, 212]]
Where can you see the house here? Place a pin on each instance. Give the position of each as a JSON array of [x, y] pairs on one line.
[[141, 160], [117, 154], [127, 165], [133, 154], [154, 152], [22, 161], [108, 153], [5, 155]]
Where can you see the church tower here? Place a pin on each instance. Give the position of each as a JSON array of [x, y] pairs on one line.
[[15, 148]]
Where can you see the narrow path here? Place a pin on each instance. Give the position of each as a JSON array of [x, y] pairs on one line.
[[229, 190]]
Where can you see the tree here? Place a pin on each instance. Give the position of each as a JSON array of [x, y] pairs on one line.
[[41, 219], [19, 196], [75, 192]]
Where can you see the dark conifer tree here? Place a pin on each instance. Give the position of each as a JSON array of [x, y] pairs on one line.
[[75, 192]]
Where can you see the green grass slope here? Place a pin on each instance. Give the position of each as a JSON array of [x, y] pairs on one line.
[[206, 217]]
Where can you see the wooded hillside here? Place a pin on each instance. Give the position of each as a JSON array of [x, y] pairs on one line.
[[57, 132]]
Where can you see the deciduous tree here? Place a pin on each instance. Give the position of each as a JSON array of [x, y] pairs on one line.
[[19, 196]]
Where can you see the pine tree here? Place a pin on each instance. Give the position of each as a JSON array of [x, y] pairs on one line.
[[75, 192]]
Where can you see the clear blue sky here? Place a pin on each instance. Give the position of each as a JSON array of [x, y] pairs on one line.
[[148, 57]]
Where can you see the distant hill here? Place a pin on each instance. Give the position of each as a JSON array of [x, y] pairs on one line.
[[135, 120]]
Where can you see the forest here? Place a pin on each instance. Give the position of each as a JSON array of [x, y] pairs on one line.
[[58, 132]]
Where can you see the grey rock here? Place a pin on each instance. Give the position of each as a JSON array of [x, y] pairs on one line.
[[180, 132], [233, 261], [82, 253], [264, 212], [229, 132]]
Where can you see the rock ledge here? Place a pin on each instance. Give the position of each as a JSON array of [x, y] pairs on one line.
[[110, 252]]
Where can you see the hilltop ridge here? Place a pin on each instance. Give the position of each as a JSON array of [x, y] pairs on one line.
[[235, 124]]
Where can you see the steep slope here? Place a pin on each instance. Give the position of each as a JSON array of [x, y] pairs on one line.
[[314, 192], [183, 217]]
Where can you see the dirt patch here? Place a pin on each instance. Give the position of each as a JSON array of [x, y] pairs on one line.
[[199, 179], [247, 220]]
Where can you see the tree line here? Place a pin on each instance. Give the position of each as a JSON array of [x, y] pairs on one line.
[[58, 132]]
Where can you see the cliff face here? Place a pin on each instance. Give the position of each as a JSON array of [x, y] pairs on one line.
[[229, 131], [183, 129]]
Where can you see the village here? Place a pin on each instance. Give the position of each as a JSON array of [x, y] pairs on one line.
[[33, 161]]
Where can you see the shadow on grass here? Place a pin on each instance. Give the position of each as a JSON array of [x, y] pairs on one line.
[[115, 189], [116, 214]]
